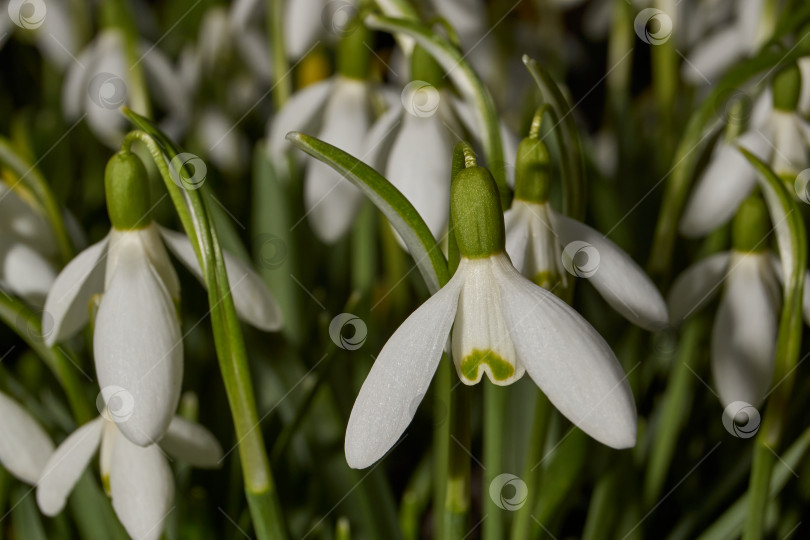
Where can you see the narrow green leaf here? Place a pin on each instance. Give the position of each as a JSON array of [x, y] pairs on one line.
[[393, 204]]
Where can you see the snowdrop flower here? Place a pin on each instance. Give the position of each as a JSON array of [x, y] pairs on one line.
[[743, 342], [339, 111], [25, 448], [27, 245], [138, 479], [137, 342], [778, 135], [410, 145], [100, 82], [503, 325], [545, 245]]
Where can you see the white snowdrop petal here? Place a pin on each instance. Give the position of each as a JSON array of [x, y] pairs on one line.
[[25, 271], [24, 446], [516, 221], [724, 184], [151, 240], [570, 362], [74, 87], [419, 167], [620, 281], [804, 97], [141, 487], [253, 301], [790, 154], [138, 347], [400, 377], [297, 115], [192, 443], [66, 466], [776, 266], [707, 61], [68, 302], [481, 342], [696, 286], [744, 332], [331, 201], [103, 117], [303, 22]]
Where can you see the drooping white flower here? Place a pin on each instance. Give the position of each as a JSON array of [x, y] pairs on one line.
[[27, 247], [25, 448], [503, 326], [138, 346], [138, 479], [100, 82], [778, 135], [338, 111], [549, 248]]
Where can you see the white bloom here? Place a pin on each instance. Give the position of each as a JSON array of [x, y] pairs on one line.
[[24, 447], [137, 341], [778, 137], [746, 323], [27, 245], [99, 83], [503, 325], [138, 479], [536, 237], [338, 111]]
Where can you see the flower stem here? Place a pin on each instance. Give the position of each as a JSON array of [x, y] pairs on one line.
[[282, 83], [494, 422], [457, 499]]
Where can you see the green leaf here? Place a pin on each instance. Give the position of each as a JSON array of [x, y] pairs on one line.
[[395, 207], [466, 81]]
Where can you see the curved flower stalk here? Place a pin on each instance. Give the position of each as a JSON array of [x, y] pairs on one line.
[[339, 110], [545, 245], [502, 326], [745, 326], [138, 479], [25, 448], [138, 346], [777, 135], [27, 247], [100, 82]]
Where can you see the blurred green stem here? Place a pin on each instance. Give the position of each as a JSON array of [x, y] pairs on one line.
[[533, 469], [494, 422], [457, 499], [122, 17], [282, 82]]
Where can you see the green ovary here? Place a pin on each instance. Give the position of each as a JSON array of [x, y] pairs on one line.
[[500, 368]]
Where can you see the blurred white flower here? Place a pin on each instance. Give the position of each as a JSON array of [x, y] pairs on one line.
[[338, 111], [137, 341], [27, 245], [100, 82], [138, 479], [25, 448], [545, 246], [502, 325], [777, 136], [746, 323]]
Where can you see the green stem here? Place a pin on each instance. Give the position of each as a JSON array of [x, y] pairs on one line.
[[260, 487], [27, 324], [457, 498], [32, 178], [282, 82], [124, 19], [494, 423]]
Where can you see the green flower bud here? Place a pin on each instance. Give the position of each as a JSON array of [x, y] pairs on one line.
[[787, 86], [425, 68], [751, 225], [353, 51], [533, 171], [475, 209], [127, 188]]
